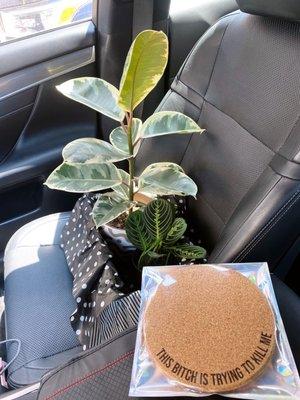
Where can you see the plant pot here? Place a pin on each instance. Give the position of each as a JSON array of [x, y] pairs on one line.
[[118, 237]]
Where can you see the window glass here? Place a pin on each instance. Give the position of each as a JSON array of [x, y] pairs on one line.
[[19, 18]]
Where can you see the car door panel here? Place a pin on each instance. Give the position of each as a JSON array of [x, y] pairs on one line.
[[14, 113], [36, 122], [45, 46]]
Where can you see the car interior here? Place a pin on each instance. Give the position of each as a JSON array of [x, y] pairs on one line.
[[234, 68]]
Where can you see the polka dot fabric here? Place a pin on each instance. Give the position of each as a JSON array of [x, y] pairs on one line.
[[96, 282], [105, 306]]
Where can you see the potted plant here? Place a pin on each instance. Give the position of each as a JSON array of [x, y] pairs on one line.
[[89, 163], [158, 233]]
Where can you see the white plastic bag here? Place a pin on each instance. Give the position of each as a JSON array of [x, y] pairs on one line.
[[279, 379]]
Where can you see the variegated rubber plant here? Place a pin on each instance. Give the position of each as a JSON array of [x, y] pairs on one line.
[[88, 163]]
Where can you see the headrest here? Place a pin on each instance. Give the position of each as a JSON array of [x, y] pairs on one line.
[[286, 9]]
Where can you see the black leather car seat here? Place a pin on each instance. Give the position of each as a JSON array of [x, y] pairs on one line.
[[242, 83]]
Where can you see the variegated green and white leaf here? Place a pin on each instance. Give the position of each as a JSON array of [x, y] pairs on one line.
[[83, 178], [167, 123], [119, 138], [144, 66], [108, 207], [123, 189], [94, 93], [91, 150], [163, 164], [165, 179]]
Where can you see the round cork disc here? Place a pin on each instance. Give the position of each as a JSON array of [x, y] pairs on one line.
[[209, 328]]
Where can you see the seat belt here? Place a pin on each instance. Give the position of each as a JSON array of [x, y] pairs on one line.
[[142, 16], [142, 19]]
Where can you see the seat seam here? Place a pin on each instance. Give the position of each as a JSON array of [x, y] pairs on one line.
[[45, 221], [40, 358], [204, 99], [266, 229], [244, 128], [62, 218], [202, 106], [247, 217], [89, 352], [215, 60], [47, 218], [90, 375], [35, 245], [230, 16], [212, 208], [188, 100], [207, 87]]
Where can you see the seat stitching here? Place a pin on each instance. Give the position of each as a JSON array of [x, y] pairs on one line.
[[41, 358], [46, 220], [201, 108], [229, 16], [87, 353], [274, 219], [212, 208], [208, 85], [245, 129], [91, 375], [223, 112], [247, 217], [34, 245], [37, 226], [266, 229], [205, 101], [213, 105], [212, 70], [186, 99]]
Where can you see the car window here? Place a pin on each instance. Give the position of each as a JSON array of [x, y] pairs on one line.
[[19, 18]]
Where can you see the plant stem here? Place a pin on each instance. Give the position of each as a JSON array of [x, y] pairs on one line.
[[131, 179], [131, 160]]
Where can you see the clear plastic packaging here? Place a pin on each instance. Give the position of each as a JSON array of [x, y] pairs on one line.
[[279, 379]]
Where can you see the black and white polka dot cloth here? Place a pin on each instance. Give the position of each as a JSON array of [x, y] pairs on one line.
[[96, 281], [105, 307]]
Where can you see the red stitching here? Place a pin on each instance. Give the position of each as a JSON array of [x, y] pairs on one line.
[[90, 375]]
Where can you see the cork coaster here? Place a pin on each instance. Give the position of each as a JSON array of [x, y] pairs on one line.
[[209, 328]]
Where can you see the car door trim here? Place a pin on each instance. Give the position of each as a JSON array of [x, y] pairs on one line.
[[26, 78], [47, 45]]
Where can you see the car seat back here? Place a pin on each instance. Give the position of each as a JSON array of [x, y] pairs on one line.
[[241, 82]]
